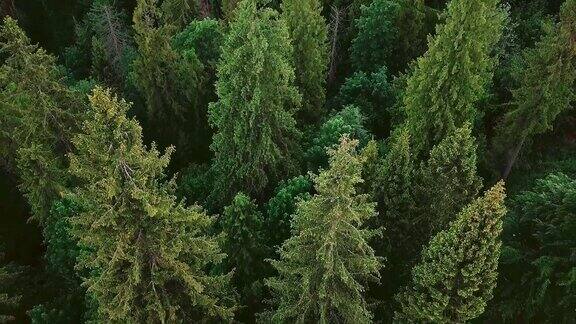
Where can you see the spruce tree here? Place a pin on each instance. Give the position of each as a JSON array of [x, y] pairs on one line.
[[453, 74], [309, 35], [323, 266], [256, 134], [169, 81], [146, 253], [546, 87], [458, 270], [448, 181], [39, 115]]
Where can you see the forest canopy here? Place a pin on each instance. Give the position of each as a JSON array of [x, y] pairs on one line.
[[287, 161]]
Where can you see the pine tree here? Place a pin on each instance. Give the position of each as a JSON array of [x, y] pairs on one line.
[[546, 87], [170, 82], [39, 115], [309, 35], [453, 74], [323, 266], [255, 140], [448, 181], [458, 271], [179, 12], [146, 253]]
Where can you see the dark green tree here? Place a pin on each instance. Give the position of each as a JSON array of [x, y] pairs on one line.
[[179, 12], [546, 87], [145, 252], [448, 181], [323, 266], [452, 76], [309, 35], [170, 82], [458, 271], [538, 270], [282, 206], [256, 135], [8, 301]]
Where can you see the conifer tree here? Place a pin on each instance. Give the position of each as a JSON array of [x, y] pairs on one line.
[[458, 271], [243, 225], [546, 86], [39, 116], [448, 181], [453, 74], [309, 35], [169, 81], [256, 134], [323, 266], [145, 252], [179, 12]]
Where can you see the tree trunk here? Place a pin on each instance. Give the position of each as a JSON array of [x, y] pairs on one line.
[[512, 157]]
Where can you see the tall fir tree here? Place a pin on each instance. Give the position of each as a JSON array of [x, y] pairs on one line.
[[256, 135], [458, 271], [448, 181], [145, 252], [309, 35], [39, 116], [546, 87], [323, 266], [169, 81], [452, 76]]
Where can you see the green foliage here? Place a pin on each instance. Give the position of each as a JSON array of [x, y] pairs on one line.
[[375, 95], [452, 76], [282, 206], [458, 271], [145, 252], [347, 121], [243, 225], [39, 115], [256, 135], [309, 35], [179, 12], [170, 81], [324, 264], [203, 38], [538, 268], [377, 35], [546, 86], [448, 181], [8, 301]]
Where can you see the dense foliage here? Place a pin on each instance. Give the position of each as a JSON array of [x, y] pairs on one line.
[[287, 161]]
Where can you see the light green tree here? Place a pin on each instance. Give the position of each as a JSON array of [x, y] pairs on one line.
[[324, 265], [256, 135], [309, 35], [458, 271], [146, 254], [454, 73]]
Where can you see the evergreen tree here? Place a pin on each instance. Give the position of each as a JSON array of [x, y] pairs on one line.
[[281, 207], [255, 140], [448, 181], [538, 282], [39, 116], [453, 74], [323, 266], [179, 12], [309, 35], [146, 253], [377, 36], [458, 271], [243, 225], [546, 86], [169, 81]]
